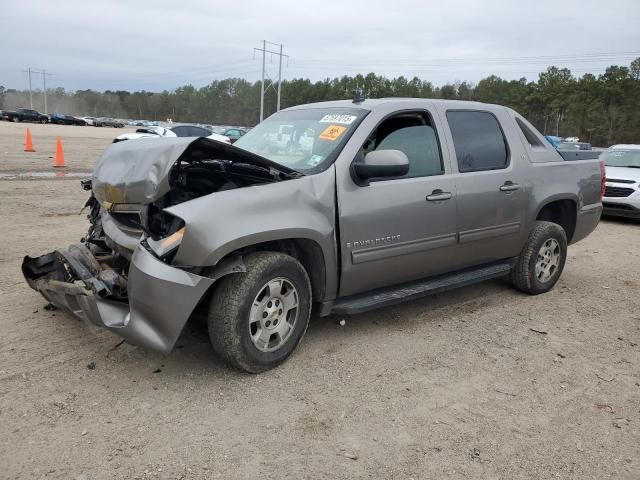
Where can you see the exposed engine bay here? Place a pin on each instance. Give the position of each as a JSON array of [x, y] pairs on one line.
[[127, 202]]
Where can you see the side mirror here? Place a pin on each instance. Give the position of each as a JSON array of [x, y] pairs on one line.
[[381, 163]]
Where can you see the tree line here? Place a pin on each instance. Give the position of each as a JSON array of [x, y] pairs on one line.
[[602, 109]]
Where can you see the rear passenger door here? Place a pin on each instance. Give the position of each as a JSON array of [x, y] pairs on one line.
[[491, 186]]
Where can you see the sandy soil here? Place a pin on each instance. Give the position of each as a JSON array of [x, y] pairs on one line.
[[81, 146], [459, 385]]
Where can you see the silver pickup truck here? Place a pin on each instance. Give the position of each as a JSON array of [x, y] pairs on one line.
[[393, 199]]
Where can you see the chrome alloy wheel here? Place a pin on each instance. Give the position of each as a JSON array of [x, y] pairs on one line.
[[548, 260], [273, 314]]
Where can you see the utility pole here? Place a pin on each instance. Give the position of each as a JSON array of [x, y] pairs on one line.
[[279, 79], [264, 52], [30, 92], [44, 89], [265, 76]]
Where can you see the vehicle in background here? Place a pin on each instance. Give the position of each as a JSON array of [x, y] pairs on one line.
[[574, 146], [62, 119], [281, 140], [395, 199], [91, 121], [622, 190], [174, 131], [233, 133], [25, 115], [108, 122], [553, 140]]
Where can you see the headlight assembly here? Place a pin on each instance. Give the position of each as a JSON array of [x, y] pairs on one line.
[[166, 245]]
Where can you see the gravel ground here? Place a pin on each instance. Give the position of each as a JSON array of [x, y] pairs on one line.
[[481, 382]]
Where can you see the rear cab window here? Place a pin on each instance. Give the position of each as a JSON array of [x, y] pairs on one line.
[[478, 140]]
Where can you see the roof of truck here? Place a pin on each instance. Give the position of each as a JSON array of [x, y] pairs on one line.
[[373, 103]]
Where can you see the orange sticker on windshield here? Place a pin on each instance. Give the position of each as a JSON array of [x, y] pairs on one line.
[[332, 132]]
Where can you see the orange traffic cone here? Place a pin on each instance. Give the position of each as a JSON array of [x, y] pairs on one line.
[[58, 160], [28, 144]]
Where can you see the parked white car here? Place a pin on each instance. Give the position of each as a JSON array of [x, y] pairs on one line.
[[174, 131], [91, 121], [622, 190]]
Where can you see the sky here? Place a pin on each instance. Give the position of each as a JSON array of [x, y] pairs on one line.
[[157, 44]]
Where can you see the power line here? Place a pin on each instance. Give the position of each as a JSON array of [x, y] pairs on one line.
[[584, 57]]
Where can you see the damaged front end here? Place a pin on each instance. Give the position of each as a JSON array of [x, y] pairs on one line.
[[121, 276]]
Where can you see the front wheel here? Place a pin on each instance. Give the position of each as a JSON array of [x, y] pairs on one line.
[[15, 119], [542, 259], [257, 318]]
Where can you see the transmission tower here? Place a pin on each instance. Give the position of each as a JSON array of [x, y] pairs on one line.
[[265, 74]]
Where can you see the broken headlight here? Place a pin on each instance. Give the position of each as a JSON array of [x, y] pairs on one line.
[[164, 246]]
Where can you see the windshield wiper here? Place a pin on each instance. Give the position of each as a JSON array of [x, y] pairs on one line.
[[273, 172]]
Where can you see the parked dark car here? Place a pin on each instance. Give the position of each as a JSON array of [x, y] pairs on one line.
[[108, 122], [62, 119], [25, 115], [232, 132]]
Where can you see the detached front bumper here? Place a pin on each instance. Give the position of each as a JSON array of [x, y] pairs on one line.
[[161, 298]]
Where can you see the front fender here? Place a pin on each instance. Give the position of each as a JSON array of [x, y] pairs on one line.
[[223, 222]]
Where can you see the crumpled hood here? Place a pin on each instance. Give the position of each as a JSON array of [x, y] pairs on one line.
[[138, 172]]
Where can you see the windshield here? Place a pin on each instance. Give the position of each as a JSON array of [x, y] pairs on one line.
[[302, 139], [622, 158]]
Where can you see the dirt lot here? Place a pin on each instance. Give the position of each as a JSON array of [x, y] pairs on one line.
[[482, 382]]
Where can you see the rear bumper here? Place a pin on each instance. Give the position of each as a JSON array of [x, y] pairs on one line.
[[161, 300], [587, 221]]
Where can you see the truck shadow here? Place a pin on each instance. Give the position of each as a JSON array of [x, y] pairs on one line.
[[193, 349], [620, 220]]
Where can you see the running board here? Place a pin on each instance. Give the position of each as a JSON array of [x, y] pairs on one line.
[[364, 302]]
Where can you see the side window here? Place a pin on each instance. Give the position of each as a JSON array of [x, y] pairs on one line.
[[414, 135], [532, 138], [478, 141]]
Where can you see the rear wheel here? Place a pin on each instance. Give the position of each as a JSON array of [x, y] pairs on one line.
[[257, 318], [542, 259]]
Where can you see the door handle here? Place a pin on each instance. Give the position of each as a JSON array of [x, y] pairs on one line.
[[509, 186], [438, 195]]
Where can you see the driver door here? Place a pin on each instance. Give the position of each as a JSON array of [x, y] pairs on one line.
[[399, 229]]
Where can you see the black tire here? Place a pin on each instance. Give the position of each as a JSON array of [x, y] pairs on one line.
[[43, 120], [523, 275], [15, 119], [230, 309]]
